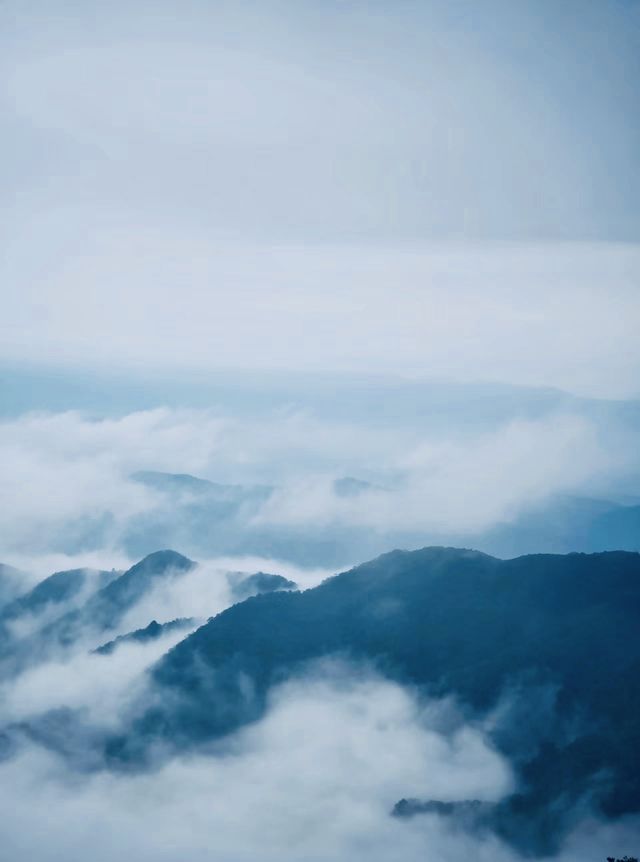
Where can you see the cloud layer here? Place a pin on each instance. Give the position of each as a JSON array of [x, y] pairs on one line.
[[68, 491], [316, 778]]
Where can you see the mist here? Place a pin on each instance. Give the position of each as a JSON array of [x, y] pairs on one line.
[[72, 499], [317, 777]]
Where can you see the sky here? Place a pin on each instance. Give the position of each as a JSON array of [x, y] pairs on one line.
[[426, 189]]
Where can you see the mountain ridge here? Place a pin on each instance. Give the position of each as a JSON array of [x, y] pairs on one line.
[[453, 623]]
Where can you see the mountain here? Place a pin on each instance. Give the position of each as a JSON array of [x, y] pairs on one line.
[[472, 812], [210, 519], [34, 608], [58, 588], [564, 524], [244, 586], [101, 612], [184, 483], [543, 644], [205, 517], [619, 527], [375, 400], [177, 482], [105, 608], [151, 632]]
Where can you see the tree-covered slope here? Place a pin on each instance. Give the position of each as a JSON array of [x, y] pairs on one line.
[[549, 638], [114, 593], [149, 633]]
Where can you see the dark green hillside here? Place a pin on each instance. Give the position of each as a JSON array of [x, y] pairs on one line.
[[243, 586], [56, 589], [558, 630]]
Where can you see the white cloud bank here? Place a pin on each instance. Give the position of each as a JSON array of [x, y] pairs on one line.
[[61, 473], [315, 780], [465, 486]]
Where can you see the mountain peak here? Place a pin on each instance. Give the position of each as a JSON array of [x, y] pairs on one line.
[[159, 562]]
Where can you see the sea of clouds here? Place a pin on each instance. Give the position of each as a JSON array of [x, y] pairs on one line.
[[318, 776]]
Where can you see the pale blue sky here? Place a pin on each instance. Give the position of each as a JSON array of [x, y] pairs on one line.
[[308, 121], [325, 186]]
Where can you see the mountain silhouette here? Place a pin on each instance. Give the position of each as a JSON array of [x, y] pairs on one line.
[[547, 638]]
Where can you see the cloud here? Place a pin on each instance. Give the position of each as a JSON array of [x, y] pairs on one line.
[[81, 469], [204, 591], [69, 500], [315, 779], [449, 486], [82, 680]]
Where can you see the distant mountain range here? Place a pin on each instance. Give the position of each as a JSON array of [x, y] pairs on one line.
[[209, 519], [564, 524]]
